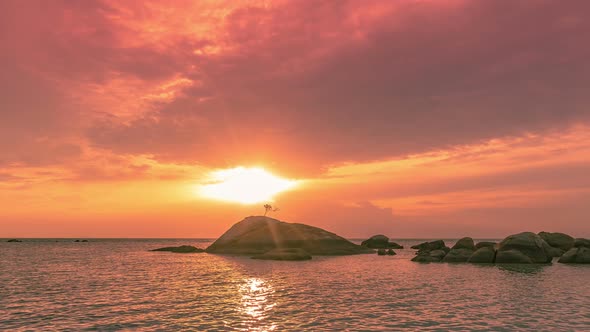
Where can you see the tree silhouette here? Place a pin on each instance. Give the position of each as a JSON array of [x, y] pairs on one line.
[[268, 208]]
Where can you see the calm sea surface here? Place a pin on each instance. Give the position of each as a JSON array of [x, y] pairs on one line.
[[120, 285]]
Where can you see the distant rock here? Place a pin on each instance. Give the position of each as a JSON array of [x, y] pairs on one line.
[[180, 249], [483, 244], [381, 252], [14, 240], [459, 255], [284, 254], [429, 246], [390, 252], [260, 234], [512, 256], [526, 247], [84, 241], [380, 241], [579, 242], [464, 243], [579, 255], [376, 242], [485, 254], [558, 240]]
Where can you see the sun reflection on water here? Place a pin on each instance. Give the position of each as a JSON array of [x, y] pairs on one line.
[[256, 304]]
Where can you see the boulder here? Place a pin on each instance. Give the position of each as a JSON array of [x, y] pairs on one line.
[[558, 240], [376, 242], [484, 254], [458, 255], [381, 252], [390, 252], [576, 256], [512, 256], [284, 254], [554, 252], [578, 243], [438, 253], [14, 240], [483, 244], [428, 246], [528, 244], [260, 234], [180, 249], [465, 243]]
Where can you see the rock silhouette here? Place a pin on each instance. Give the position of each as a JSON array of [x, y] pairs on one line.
[[284, 254], [180, 249], [558, 240], [259, 234]]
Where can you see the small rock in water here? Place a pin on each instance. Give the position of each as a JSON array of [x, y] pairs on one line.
[[180, 249], [14, 240], [381, 252], [390, 252]]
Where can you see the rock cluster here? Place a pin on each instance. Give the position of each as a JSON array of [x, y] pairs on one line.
[[521, 248], [380, 242]]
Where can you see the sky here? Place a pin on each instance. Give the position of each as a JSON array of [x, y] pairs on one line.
[[414, 119]]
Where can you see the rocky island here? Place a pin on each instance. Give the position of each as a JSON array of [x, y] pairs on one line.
[[274, 239]]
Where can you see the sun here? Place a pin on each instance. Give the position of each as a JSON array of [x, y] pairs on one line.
[[244, 185]]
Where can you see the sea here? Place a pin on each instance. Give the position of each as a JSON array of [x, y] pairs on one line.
[[119, 285]]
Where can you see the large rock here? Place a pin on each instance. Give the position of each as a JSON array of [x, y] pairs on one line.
[[484, 254], [458, 255], [576, 256], [465, 243], [578, 243], [180, 249], [259, 234], [284, 254], [428, 246], [512, 256], [558, 240], [528, 244], [483, 244]]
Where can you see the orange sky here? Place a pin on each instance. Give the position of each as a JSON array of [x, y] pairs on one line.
[[413, 119]]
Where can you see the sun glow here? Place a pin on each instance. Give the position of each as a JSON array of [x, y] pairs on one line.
[[244, 185]]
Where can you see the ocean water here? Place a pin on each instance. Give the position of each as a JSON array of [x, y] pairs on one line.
[[119, 285]]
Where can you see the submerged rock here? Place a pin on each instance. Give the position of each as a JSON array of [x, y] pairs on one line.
[[514, 249], [464, 243], [458, 255], [576, 256], [259, 234], [180, 249], [381, 252], [14, 240], [579, 242], [284, 254], [390, 252], [484, 254], [558, 240], [483, 244]]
